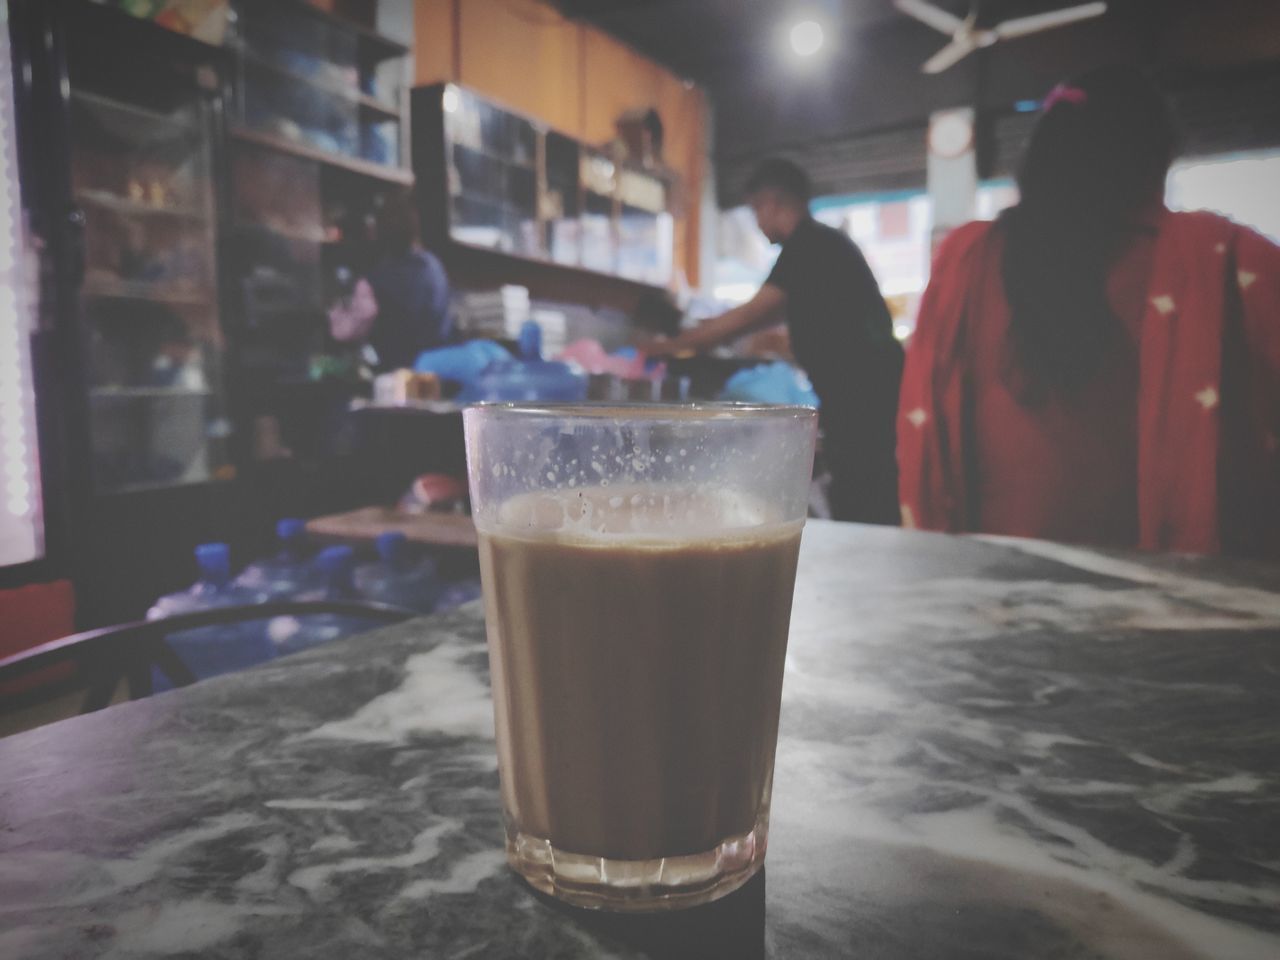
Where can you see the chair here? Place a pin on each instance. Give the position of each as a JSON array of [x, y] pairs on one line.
[[102, 658]]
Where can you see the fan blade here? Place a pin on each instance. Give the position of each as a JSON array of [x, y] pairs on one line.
[[950, 55], [1047, 21], [930, 15]]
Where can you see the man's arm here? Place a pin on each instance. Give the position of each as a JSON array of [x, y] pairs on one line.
[[763, 310]]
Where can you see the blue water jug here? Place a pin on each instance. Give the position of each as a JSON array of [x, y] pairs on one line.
[[529, 342], [335, 568], [400, 577], [210, 651], [526, 380], [289, 572]]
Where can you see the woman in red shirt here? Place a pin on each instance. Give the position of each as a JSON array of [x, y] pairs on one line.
[[1092, 367]]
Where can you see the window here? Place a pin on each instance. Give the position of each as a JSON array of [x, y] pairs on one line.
[[1241, 186], [743, 258], [892, 229], [995, 197]]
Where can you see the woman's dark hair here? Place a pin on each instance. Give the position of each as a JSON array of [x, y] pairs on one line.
[[1098, 155]]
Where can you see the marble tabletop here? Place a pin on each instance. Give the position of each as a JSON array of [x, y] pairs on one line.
[[988, 750]]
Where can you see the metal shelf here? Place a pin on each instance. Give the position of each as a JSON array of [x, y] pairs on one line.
[[364, 168]]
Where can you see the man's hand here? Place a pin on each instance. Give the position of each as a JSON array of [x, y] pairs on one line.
[[765, 308], [656, 345]]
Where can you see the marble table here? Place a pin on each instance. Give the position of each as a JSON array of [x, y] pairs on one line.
[[988, 750]]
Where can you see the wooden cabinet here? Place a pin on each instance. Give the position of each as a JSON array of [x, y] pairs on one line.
[[575, 79], [492, 179], [621, 80], [526, 55]]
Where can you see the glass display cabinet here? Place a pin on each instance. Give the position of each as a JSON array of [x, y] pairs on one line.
[[141, 142]]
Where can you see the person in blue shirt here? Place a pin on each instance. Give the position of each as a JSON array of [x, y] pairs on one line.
[[410, 288]]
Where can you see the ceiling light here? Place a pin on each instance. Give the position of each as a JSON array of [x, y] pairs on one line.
[[806, 38]]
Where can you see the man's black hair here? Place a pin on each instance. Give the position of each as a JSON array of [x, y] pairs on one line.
[[783, 175]]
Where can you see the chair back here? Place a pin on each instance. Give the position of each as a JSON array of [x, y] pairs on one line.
[[101, 659]]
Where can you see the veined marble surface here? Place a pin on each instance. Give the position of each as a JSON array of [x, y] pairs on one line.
[[989, 750]]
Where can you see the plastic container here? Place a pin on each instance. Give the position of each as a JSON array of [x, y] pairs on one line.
[[335, 568], [530, 341], [401, 576], [214, 650], [540, 381], [289, 572]]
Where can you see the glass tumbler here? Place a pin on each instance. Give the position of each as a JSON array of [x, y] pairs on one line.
[[638, 564]]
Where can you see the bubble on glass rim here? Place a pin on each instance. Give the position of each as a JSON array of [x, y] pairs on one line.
[[662, 512]]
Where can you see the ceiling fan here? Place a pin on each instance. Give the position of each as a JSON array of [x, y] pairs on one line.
[[966, 36]]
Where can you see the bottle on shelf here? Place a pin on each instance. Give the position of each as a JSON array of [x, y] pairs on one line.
[[401, 576], [209, 651], [530, 340]]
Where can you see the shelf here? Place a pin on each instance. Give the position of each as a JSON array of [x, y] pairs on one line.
[[151, 118], [146, 393], [381, 47], [134, 208], [298, 236], [463, 249], [367, 103], [137, 290], [490, 200], [140, 486], [364, 168], [497, 158]]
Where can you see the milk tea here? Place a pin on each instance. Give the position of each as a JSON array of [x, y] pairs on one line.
[[636, 645]]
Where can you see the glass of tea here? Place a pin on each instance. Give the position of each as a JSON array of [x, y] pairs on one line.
[[638, 563]]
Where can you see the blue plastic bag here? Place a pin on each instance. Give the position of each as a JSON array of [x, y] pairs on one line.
[[776, 382], [462, 363]]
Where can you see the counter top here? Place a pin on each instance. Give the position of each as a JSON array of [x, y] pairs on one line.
[[988, 750]]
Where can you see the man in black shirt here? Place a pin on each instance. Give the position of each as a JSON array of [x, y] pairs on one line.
[[841, 333]]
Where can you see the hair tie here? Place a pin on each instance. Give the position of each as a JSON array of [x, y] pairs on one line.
[[1064, 93]]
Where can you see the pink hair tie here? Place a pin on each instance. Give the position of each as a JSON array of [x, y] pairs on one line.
[[1063, 93]]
